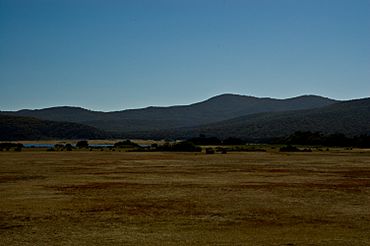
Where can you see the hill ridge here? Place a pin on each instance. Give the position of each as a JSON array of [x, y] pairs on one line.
[[170, 106], [217, 108], [29, 128], [351, 118]]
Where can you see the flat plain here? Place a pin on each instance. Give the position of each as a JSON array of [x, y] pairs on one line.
[[128, 198]]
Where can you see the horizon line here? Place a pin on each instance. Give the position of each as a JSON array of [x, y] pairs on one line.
[[177, 105]]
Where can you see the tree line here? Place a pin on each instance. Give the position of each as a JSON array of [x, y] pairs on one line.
[[330, 140]]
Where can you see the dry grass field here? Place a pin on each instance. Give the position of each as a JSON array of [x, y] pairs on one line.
[[118, 198]]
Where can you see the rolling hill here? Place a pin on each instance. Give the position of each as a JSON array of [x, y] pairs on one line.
[[221, 116], [349, 117], [218, 108], [28, 128]]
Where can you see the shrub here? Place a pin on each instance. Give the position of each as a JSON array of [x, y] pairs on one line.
[[186, 146], [125, 144], [154, 145], [58, 146], [210, 151], [9, 146], [18, 147], [203, 140], [68, 147], [82, 144], [233, 141], [289, 148]]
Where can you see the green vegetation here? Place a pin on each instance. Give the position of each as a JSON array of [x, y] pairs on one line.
[[11, 146], [338, 123], [130, 123], [26, 128], [82, 144], [319, 139], [203, 140], [183, 146], [68, 147], [126, 144], [350, 118], [210, 151], [233, 141], [290, 148], [243, 148]]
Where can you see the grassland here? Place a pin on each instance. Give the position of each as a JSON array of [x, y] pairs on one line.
[[252, 198]]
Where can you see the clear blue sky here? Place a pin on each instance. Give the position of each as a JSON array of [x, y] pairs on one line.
[[110, 55]]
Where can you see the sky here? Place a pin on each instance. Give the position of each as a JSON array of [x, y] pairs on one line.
[[112, 55]]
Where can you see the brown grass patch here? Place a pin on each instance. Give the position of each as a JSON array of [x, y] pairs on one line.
[[105, 198]]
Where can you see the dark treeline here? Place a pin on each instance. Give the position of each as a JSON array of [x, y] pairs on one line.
[[297, 138], [11, 146], [317, 138], [203, 140], [15, 128], [128, 145], [125, 144], [183, 146], [304, 138]]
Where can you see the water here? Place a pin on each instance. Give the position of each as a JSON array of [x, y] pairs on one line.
[[35, 145], [100, 145], [41, 145]]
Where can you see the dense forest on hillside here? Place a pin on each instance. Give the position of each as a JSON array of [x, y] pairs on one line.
[[215, 109], [27, 128], [351, 118], [348, 119]]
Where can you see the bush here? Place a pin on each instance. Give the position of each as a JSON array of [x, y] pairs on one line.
[[305, 138], [8, 146], [333, 140], [221, 149], [203, 140], [210, 151], [184, 146], [289, 148], [82, 144], [58, 147], [154, 145], [233, 141], [125, 144], [68, 147]]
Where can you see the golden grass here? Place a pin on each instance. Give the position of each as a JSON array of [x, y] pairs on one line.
[[105, 198]]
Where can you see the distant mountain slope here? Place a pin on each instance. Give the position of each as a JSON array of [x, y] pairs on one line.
[[349, 117], [222, 107], [27, 128]]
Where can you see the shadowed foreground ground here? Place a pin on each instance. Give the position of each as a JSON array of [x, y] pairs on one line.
[[104, 198]]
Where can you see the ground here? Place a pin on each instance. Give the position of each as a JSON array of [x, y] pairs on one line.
[[250, 198]]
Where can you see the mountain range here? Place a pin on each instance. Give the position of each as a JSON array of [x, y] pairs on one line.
[[351, 118], [218, 108], [28, 128], [222, 116]]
